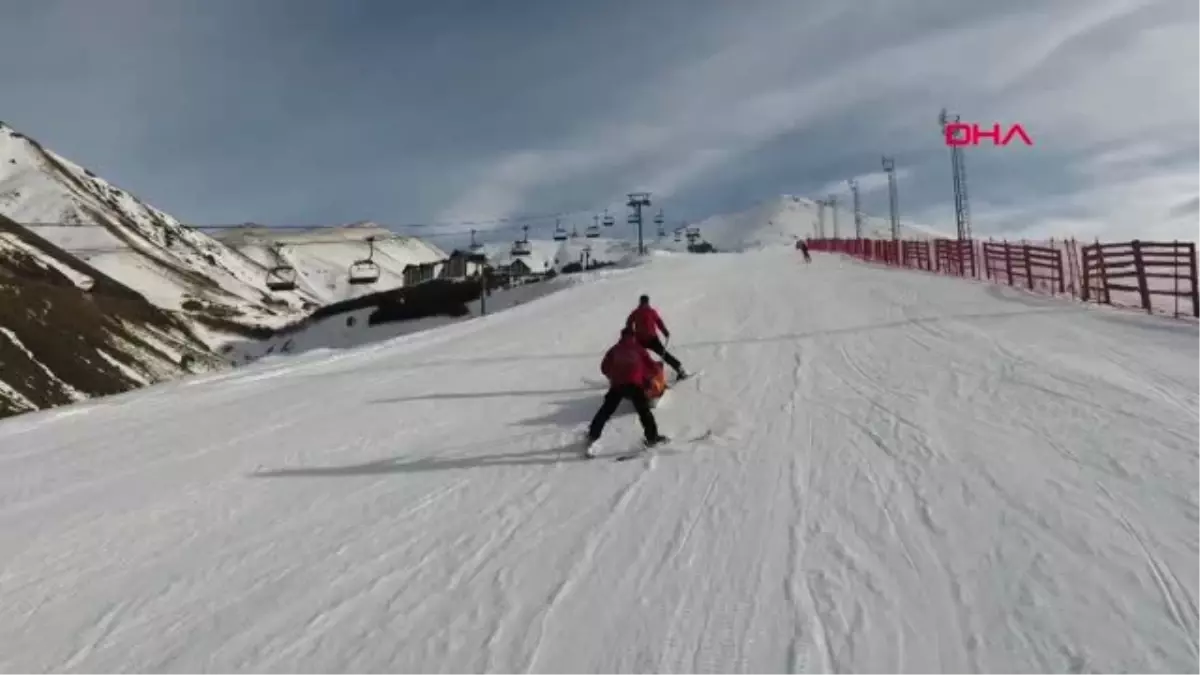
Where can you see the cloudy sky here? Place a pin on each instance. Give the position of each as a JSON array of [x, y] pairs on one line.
[[447, 111]]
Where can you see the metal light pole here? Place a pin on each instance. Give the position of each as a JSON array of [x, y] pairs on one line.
[[889, 166], [858, 216], [832, 201]]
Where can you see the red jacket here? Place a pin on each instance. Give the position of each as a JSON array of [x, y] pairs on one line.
[[646, 322], [628, 362]]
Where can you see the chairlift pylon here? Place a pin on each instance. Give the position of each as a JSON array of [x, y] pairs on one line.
[[365, 271]]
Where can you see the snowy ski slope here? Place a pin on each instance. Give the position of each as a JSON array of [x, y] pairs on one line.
[[906, 472]]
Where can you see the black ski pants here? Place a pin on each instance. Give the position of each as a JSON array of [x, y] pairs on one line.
[[655, 345], [641, 404]]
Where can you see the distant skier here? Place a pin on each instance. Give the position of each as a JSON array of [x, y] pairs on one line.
[[645, 322], [803, 248], [629, 369]]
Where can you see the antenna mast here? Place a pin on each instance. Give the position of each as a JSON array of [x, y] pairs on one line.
[[958, 168]]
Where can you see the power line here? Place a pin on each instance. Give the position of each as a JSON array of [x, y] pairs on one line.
[[276, 237], [516, 220]]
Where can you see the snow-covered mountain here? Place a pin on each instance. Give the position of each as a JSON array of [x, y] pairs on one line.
[[175, 267], [69, 332], [322, 256], [782, 220]]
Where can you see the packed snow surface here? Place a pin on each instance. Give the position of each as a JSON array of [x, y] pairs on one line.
[[906, 472]]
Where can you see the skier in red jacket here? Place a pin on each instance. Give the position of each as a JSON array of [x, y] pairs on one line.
[[646, 323], [629, 368]]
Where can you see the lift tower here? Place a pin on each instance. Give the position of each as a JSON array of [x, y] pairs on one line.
[[958, 168]]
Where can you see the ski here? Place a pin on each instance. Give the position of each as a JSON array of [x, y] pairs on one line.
[[669, 443]]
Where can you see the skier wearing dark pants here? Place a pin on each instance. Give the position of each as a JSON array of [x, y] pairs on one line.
[[803, 248], [629, 368], [645, 322]]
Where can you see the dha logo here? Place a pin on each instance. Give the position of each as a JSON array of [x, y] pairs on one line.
[[962, 133]]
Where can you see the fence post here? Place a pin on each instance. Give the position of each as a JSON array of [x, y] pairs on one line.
[[1139, 267], [1191, 248], [1103, 265], [1028, 266], [1008, 262], [1061, 272], [1175, 262]]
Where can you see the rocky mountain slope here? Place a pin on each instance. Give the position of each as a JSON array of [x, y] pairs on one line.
[[101, 292], [176, 268], [69, 332]]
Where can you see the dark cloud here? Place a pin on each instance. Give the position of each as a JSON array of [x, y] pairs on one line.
[[299, 111]]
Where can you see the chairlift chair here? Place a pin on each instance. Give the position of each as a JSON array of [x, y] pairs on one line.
[[632, 219], [678, 235], [658, 219], [364, 271], [560, 233], [592, 232], [608, 219], [281, 278], [521, 247]]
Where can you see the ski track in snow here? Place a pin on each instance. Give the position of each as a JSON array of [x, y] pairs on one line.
[[906, 473]]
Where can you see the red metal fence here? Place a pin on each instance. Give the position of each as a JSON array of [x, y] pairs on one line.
[[1154, 276]]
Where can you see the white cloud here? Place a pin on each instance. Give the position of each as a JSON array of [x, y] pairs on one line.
[[1117, 77]]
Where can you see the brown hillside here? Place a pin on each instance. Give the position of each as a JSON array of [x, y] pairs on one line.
[[60, 343]]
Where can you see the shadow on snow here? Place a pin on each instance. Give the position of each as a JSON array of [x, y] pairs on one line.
[[568, 413]]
